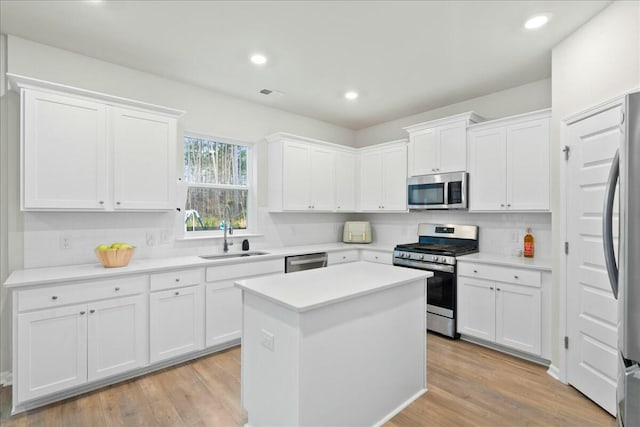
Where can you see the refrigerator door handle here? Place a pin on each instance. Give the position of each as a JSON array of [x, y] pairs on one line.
[[607, 224]]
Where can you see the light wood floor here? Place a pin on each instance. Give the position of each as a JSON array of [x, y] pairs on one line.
[[468, 386]]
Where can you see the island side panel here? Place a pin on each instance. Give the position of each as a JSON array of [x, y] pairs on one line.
[[269, 377], [363, 359]]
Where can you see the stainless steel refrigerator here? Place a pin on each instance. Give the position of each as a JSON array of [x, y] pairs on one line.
[[625, 274]]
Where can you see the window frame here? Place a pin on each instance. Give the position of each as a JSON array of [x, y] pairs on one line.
[[251, 187]]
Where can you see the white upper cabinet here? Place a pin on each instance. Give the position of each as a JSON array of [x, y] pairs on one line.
[[144, 160], [64, 166], [383, 177], [509, 163], [345, 181], [84, 151], [439, 146]]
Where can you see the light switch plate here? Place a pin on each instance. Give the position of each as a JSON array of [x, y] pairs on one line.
[[267, 340]]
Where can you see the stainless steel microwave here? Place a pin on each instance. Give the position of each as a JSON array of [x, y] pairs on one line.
[[440, 191]]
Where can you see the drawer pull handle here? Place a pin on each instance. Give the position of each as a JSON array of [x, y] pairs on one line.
[[490, 288], [82, 312], [344, 257], [497, 289], [92, 311], [54, 297], [515, 277], [177, 279], [117, 289], [177, 293], [475, 271]]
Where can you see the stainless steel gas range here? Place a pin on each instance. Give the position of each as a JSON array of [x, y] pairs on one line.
[[436, 251]]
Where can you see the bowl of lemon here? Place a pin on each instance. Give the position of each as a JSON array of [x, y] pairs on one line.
[[117, 254]]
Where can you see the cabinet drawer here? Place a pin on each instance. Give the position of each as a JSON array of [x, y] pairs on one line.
[[379, 257], [56, 296], [175, 279], [501, 274], [342, 256], [245, 269]]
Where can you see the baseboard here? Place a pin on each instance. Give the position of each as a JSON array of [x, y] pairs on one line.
[[5, 378], [502, 349], [397, 410], [554, 372]]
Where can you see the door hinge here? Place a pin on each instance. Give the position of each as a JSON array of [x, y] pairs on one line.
[[566, 150], [566, 248], [566, 343]]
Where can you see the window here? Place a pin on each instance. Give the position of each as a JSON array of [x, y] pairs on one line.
[[217, 173]]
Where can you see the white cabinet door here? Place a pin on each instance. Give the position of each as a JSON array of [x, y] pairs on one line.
[[296, 176], [476, 308], [64, 152], [224, 312], [424, 152], [118, 340], [52, 351], [453, 147], [518, 317], [528, 165], [322, 179], [370, 181], [345, 181], [488, 169], [176, 322], [144, 148], [394, 179]]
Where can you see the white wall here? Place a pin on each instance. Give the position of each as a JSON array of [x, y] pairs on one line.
[[509, 102], [597, 62]]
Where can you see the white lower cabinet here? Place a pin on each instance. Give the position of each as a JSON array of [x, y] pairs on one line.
[[176, 322], [224, 313], [59, 348], [508, 314]]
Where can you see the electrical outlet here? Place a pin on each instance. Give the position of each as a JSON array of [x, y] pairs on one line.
[[267, 340], [151, 238], [65, 241], [164, 236]]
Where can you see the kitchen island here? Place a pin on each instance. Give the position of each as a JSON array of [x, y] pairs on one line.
[[342, 345]]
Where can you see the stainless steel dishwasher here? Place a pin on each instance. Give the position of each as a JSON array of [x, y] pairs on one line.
[[305, 262]]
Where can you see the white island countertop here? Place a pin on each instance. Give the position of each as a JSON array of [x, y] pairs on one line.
[[310, 289]]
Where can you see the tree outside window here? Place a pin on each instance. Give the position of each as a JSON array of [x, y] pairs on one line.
[[216, 176]]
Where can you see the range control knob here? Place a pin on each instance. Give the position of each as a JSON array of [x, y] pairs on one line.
[[436, 259], [422, 257]]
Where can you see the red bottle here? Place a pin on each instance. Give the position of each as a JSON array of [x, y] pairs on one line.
[[528, 244]]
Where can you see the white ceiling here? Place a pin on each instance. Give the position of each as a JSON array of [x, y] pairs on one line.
[[403, 57]]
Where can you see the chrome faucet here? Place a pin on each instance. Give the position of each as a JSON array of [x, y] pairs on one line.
[[226, 219]]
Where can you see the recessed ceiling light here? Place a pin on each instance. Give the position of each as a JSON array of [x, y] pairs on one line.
[[351, 95], [536, 22], [258, 59]]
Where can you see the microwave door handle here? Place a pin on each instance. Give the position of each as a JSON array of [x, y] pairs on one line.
[[607, 225]]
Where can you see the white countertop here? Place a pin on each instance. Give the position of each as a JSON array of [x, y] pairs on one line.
[[67, 273], [543, 264], [310, 289]]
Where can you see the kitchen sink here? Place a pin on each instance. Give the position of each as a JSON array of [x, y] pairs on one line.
[[233, 255]]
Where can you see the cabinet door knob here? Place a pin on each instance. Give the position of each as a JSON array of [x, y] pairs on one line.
[[338, 207], [92, 311], [491, 288], [475, 271], [515, 277], [502, 205], [177, 293], [117, 289], [118, 203], [101, 202], [509, 205], [344, 257], [82, 312], [177, 279], [497, 289], [54, 297]]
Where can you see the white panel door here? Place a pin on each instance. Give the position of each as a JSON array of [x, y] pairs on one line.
[[64, 151], [322, 179], [370, 181], [591, 307], [476, 308], [224, 312], [144, 149], [518, 318], [52, 351], [424, 152], [345, 181], [453, 147], [528, 165], [117, 336], [176, 322], [487, 170], [296, 176], [394, 179]]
